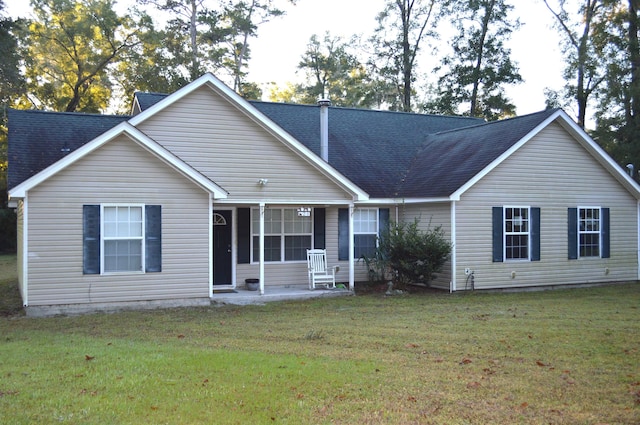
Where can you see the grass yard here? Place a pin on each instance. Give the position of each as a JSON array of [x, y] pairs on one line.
[[554, 357]]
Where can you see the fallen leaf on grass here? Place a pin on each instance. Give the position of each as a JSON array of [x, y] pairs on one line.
[[88, 357], [524, 405], [466, 360], [473, 385], [541, 364], [412, 345], [180, 336]]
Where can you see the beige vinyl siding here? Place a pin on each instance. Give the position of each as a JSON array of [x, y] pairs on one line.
[[119, 172], [430, 216], [553, 172], [229, 147]]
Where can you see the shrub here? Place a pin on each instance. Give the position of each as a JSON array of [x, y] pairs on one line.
[[8, 220], [406, 254]]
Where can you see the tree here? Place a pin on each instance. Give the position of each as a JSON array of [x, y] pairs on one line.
[[403, 27], [617, 116], [480, 65], [68, 51], [582, 59], [216, 36], [333, 72]]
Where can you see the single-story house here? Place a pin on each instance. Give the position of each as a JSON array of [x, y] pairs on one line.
[[200, 189]]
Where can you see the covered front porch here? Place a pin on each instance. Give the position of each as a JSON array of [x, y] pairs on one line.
[[243, 296]]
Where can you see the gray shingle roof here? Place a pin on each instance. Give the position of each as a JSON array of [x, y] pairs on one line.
[[387, 154], [37, 139], [449, 159]]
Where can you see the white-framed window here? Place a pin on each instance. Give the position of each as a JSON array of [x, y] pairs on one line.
[[516, 233], [123, 230], [589, 231], [287, 234], [365, 231]]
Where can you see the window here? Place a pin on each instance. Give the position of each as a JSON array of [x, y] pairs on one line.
[[367, 223], [287, 234], [589, 232], [365, 231], [516, 233], [122, 238]]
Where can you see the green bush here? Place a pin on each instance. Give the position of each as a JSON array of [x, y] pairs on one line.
[[406, 254], [8, 220]]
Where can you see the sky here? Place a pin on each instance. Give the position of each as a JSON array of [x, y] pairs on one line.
[[280, 44]]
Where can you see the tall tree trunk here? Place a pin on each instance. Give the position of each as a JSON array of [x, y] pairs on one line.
[[476, 71], [193, 33]]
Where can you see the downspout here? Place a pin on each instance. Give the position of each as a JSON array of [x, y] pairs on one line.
[[452, 287], [324, 128], [638, 265], [261, 243]]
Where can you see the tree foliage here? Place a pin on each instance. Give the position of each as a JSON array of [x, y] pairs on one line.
[[332, 71], [404, 26], [479, 66], [618, 112], [583, 70], [68, 50]]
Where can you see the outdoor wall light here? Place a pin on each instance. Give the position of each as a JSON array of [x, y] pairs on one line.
[[263, 182]]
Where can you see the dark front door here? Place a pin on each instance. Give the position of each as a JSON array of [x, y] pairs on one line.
[[222, 247]]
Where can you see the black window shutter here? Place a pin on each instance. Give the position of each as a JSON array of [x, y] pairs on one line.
[[319, 219], [604, 232], [153, 239], [383, 222], [535, 234], [244, 235], [91, 239], [497, 234], [572, 232], [343, 234]]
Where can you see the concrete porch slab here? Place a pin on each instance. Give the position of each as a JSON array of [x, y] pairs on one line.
[[242, 296]]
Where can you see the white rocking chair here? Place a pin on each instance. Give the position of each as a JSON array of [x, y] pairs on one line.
[[319, 273]]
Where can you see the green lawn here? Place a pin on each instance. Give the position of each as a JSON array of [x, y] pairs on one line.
[[554, 357]]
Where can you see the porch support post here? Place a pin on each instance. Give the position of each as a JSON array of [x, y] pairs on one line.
[[211, 250], [351, 250], [454, 259], [261, 243]]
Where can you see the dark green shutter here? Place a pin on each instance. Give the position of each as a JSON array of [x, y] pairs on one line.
[[91, 239], [319, 219], [498, 238], [572, 233], [383, 222], [535, 234], [343, 234], [244, 235], [604, 233], [153, 238]]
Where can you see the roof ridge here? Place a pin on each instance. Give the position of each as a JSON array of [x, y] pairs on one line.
[[83, 114], [502, 121], [353, 108]]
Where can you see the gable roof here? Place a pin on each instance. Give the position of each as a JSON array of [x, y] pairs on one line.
[[136, 136], [371, 148], [382, 154], [448, 160], [209, 80], [37, 139]]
